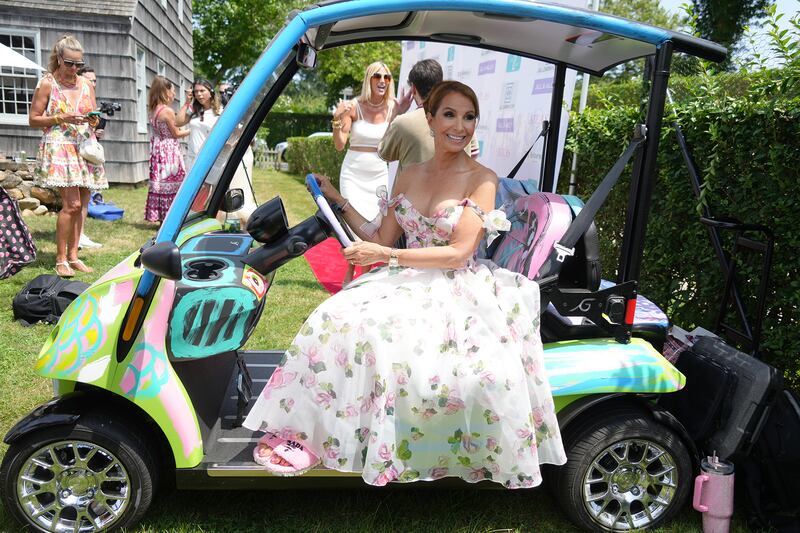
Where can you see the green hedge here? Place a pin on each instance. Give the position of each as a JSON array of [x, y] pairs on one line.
[[748, 151], [280, 126], [316, 154]]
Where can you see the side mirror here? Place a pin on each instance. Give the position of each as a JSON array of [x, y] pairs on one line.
[[306, 56], [234, 200], [164, 260]]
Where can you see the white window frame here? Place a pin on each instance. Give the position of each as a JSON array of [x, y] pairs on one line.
[[182, 93], [141, 89], [15, 118], [180, 10], [161, 67]]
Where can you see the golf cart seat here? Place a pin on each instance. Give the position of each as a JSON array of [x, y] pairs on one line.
[[538, 221]]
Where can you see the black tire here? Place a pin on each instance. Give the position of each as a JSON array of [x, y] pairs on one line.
[[619, 471], [78, 467]]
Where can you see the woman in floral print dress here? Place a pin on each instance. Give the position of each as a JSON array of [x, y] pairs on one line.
[[60, 107], [432, 366]]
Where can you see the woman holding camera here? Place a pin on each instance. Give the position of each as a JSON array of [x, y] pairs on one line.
[[61, 106], [200, 113]]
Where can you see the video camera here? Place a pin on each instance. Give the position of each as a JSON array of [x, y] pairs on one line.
[[107, 108], [226, 94]]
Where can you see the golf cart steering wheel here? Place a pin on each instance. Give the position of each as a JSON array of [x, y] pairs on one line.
[[334, 219]]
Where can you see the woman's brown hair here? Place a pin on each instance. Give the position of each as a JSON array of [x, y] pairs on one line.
[[158, 93], [442, 89]]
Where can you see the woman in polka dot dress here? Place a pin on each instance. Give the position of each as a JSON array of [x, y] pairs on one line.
[[16, 245]]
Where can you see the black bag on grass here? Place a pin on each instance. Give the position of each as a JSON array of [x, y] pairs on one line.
[[771, 472], [44, 298]]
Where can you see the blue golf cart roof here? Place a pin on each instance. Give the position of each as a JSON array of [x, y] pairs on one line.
[[587, 41]]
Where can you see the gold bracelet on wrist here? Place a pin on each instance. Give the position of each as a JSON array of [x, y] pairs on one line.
[[394, 260], [336, 123], [57, 119]]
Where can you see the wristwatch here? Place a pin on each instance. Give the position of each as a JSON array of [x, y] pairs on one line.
[[393, 259]]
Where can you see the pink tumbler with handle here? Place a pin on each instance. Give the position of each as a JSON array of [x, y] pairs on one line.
[[713, 494]]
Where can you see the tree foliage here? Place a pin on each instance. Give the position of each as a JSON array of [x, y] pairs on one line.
[[647, 11], [229, 35], [724, 21]]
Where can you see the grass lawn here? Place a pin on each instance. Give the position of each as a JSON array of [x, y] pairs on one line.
[[294, 294]]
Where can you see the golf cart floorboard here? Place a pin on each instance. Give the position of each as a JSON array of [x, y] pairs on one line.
[[228, 460], [229, 442]]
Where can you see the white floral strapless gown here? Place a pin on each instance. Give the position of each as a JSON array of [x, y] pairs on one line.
[[416, 374]]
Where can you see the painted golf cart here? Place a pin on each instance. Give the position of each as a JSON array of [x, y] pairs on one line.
[[149, 376]]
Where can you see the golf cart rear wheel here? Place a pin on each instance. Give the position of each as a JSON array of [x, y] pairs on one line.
[[91, 477], [624, 472]]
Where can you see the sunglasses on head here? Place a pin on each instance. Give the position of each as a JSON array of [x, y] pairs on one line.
[[386, 77], [71, 63]]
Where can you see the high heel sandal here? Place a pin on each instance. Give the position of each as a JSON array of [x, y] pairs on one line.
[[69, 272], [80, 266]]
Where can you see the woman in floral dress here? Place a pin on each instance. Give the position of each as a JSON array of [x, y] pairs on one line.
[[60, 107], [167, 169], [432, 366]]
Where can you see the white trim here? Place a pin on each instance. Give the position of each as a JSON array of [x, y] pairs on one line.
[[14, 119], [180, 10], [161, 67], [141, 88]]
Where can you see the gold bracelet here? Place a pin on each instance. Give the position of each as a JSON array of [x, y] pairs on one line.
[[58, 120], [336, 123]]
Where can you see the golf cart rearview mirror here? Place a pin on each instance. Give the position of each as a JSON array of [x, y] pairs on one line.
[[164, 260], [306, 56], [234, 200]]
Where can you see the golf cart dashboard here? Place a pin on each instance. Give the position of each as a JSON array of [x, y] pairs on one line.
[[218, 299]]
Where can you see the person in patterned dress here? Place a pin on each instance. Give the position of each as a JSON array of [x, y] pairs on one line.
[[60, 107], [167, 168], [433, 365]]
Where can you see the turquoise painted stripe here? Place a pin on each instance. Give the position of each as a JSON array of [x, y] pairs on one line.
[[612, 385]]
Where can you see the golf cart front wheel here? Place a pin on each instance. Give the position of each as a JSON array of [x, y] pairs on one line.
[[624, 472], [91, 477]]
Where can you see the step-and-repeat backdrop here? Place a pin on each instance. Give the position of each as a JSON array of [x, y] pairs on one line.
[[514, 94]]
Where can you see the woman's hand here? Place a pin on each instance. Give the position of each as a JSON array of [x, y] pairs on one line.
[[343, 109], [328, 190], [366, 253], [99, 133], [71, 118], [93, 121]]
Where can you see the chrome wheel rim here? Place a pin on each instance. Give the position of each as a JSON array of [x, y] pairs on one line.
[[73, 486], [630, 485]]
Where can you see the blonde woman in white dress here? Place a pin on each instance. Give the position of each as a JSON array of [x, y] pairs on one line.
[[364, 121]]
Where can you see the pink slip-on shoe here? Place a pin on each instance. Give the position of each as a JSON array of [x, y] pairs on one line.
[[270, 449]]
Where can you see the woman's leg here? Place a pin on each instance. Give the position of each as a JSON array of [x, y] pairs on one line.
[[65, 225], [74, 234]]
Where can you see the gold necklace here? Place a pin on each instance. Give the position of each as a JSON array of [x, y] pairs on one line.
[[374, 105], [67, 84]]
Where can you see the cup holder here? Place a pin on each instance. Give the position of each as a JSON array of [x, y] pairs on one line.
[[204, 269]]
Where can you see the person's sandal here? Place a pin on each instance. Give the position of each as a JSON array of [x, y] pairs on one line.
[[66, 271], [271, 451], [80, 266]]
